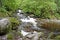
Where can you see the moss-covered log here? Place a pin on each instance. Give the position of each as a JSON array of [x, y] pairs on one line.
[[50, 24]]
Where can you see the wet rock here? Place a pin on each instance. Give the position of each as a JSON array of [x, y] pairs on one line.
[[31, 15], [30, 23], [34, 36], [3, 37], [20, 14], [37, 35], [26, 27], [24, 33], [4, 26]]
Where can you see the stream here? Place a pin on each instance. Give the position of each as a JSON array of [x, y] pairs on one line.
[[28, 28]]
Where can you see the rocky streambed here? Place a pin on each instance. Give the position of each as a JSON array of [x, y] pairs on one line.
[[27, 28]]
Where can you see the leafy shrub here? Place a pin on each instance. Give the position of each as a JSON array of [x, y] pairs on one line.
[[40, 8], [3, 14], [2, 10], [11, 4], [58, 5]]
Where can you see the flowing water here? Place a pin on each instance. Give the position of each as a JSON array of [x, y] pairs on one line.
[[25, 20], [28, 19]]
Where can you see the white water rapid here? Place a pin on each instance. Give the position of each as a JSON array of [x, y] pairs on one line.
[[27, 19]]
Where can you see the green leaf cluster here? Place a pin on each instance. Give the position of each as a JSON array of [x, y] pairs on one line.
[[11, 4], [40, 8]]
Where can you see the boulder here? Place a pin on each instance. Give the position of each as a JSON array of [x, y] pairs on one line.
[[4, 26], [34, 35]]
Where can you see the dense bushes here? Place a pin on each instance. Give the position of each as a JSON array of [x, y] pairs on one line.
[[5, 13], [39, 8], [7, 7], [58, 5], [11, 4]]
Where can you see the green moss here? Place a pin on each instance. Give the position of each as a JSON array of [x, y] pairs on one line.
[[9, 36], [14, 22], [57, 37]]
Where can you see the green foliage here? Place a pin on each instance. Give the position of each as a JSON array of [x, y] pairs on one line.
[[57, 15], [11, 4], [58, 5], [3, 14], [2, 10], [40, 8], [14, 20]]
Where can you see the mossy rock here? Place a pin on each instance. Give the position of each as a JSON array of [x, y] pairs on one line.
[[14, 22], [10, 36], [57, 37]]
